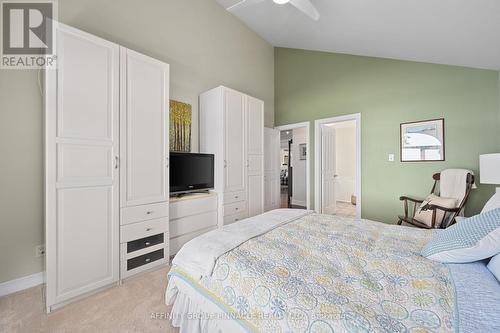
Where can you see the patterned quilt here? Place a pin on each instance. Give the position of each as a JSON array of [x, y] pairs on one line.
[[324, 273]]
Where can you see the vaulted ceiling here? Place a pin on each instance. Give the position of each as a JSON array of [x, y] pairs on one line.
[[454, 32]]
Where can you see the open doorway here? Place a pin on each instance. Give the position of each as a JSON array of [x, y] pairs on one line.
[[338, 166], [293, 153], [286, 167]]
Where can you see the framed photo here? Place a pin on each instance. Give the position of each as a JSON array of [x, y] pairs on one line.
[[422, 141], [302, 151]]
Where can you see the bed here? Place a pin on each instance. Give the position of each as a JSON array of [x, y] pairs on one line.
[[296, 271]]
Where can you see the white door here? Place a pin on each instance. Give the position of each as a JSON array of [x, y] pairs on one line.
[[255, 126], [328, 166], [144, 123], [235, 157], [82, 177], [255, 158], [271, 169]]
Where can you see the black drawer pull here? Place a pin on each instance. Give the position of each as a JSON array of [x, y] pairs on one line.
[[150, 212]]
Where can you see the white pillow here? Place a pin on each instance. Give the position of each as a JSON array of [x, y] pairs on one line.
[[490, 206], [425, 216], [494, 266], [475, 238]]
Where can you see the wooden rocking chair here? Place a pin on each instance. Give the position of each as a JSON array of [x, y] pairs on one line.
[[449, 215]]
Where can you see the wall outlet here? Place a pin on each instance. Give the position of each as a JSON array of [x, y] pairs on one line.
[[391, 157], [40, 251]]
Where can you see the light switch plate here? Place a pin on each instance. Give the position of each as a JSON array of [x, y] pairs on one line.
[[391, 157]]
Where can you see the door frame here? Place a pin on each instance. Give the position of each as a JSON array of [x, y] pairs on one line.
[[307, 125], [317, 157]]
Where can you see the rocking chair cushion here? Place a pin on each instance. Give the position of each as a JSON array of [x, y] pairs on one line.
[[425, 216], [473, 239]]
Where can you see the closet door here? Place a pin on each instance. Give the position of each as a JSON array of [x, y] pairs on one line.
[[234, 141], [144, 129], [82, 179], [255, 116], [271, 169], [255, 158]]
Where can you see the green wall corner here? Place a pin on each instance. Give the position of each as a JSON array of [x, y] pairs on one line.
[[312, 85]]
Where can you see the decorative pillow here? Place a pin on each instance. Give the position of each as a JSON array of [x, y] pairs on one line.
[[475, 238], [494, 266], [425, 216]]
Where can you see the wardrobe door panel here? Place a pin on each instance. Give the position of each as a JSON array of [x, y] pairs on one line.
[[234, 141], [82, 179], [84, 218], [255, 116], [255, 195], [144, 135]]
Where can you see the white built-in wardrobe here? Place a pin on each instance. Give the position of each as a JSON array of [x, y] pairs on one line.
[[106, 147], [232, 128]]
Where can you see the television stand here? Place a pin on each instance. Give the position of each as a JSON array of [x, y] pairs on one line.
[[191, 214]]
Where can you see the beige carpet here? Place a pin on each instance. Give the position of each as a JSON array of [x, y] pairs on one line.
[[131, 307]]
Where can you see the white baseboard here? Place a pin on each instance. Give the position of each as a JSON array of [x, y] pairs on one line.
[[298, 202], [22, 283]]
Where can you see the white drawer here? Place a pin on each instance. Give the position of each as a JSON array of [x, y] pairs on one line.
[[234, 218], [235, 208], [144, 212], [230, 197], [177, 242], [143, 229], [198, 205], [192, 223]]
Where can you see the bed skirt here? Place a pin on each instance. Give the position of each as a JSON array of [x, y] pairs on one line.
[[193, 312]]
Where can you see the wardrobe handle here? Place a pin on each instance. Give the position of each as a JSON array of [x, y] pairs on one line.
[[225, 164], [168, 162], [117, 162]]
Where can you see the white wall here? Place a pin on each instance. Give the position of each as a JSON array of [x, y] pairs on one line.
[[205, 46], [299, 168], [345, 160]]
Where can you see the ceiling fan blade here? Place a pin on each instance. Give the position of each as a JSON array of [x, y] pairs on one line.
[[307, 8], [243, 4]]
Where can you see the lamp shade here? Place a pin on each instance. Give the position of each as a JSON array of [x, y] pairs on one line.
[[489, 168]]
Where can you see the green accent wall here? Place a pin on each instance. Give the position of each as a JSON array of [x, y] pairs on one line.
[[312, 85]]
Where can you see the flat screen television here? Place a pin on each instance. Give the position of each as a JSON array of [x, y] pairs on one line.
[[191, 172]]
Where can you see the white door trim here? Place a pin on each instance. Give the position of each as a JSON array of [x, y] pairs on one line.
[[307, 125], [317, 158]]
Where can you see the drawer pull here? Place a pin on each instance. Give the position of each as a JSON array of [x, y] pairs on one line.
[[149, 212], [236, 197], [147, 260], [236, 208], [147, 243], [149, 229], [236, 220]]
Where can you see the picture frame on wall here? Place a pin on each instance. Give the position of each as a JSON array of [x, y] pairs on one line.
[[422, 141]]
